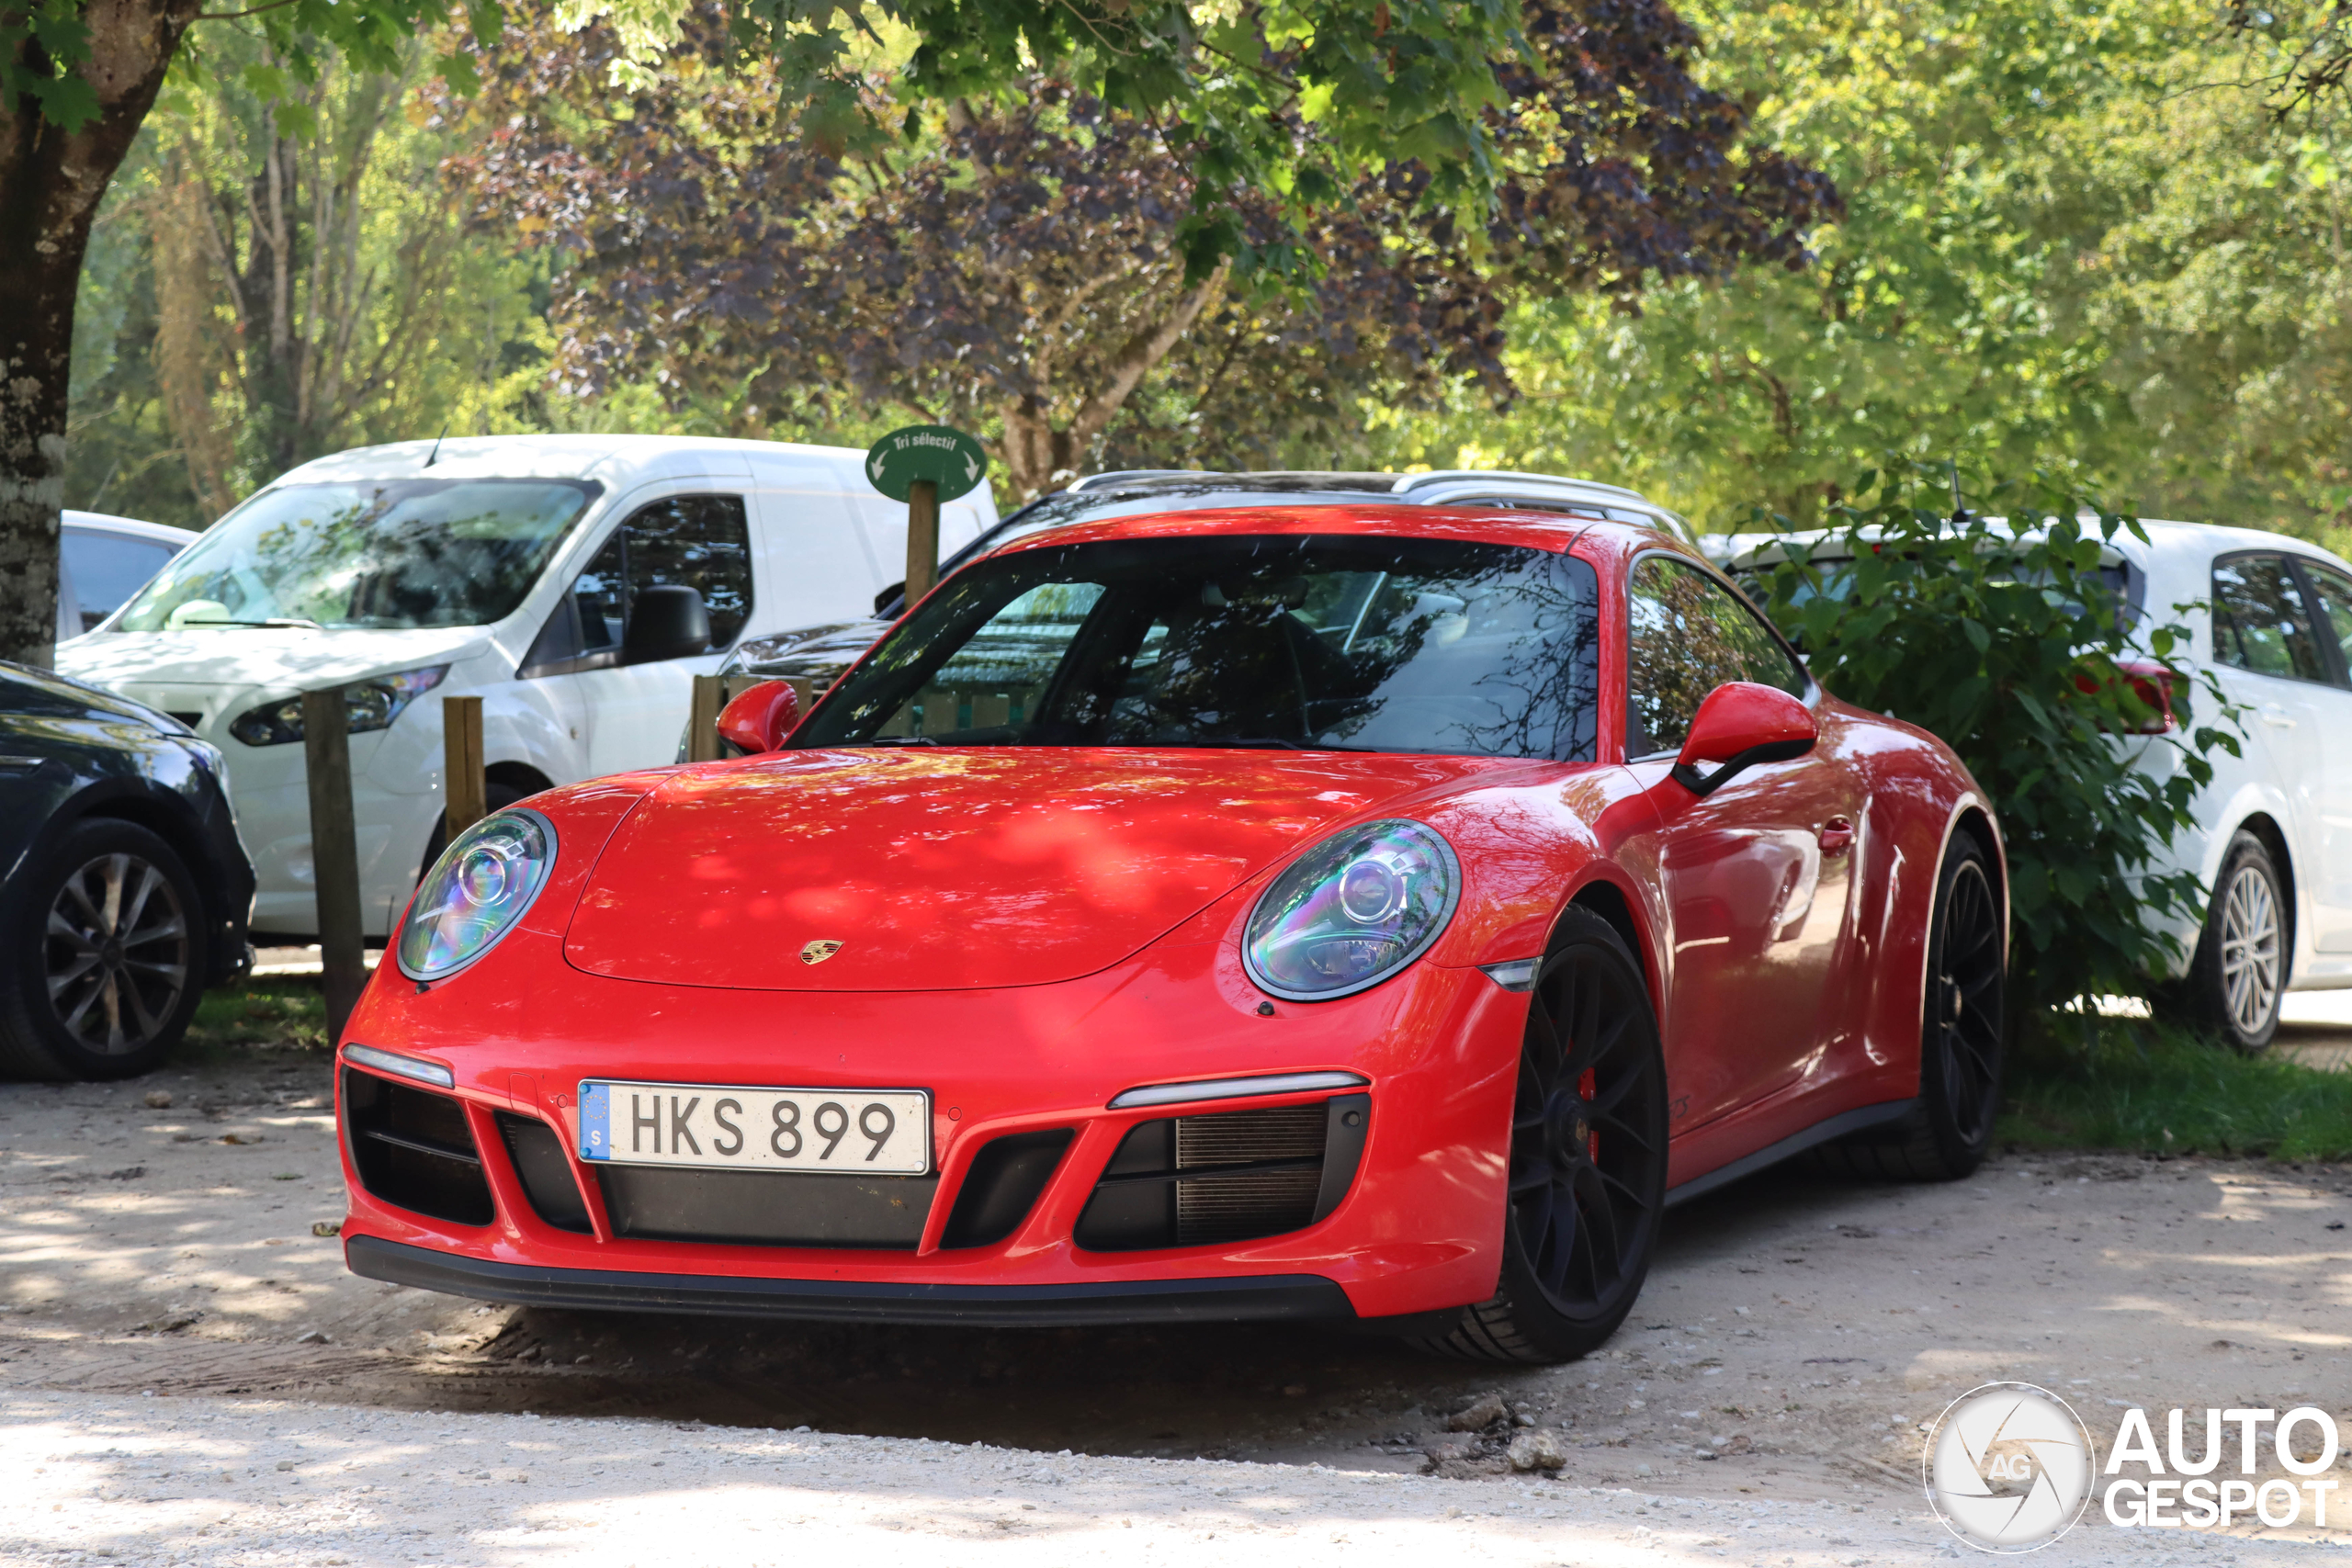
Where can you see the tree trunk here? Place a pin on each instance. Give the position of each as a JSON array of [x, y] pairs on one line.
[[51, 183]]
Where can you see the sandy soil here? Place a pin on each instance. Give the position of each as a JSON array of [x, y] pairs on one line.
[[1794, 1338], [217, 1482]]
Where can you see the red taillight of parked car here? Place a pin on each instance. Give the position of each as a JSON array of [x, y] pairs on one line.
[[2152, 684]]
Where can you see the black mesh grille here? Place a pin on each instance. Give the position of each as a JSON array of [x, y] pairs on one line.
[[414, 1150], [539, 1160], [1226, 1176]]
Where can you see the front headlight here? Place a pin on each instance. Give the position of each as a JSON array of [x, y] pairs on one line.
[[1351, 911], [371, 704], [476, 892]]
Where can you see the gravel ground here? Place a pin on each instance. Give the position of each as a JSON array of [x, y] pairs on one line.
[[217, 1482], [1796, 1335]]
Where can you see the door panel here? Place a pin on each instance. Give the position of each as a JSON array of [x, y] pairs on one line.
[[2331, 883], [2269, 656], [1757, 901]]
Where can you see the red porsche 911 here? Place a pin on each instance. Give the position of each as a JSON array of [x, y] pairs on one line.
[[1344, 912]]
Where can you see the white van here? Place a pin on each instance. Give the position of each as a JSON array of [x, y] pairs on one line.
[[575, 583]]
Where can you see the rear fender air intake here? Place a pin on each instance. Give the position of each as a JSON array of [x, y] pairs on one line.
[[539, 1160], [414, 1149], [1226, 1177], [1003, 1186]]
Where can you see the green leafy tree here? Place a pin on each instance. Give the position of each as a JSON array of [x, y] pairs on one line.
[[2007, 644], [1297, 98]]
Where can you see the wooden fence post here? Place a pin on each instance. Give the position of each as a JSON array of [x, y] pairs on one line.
[[922, 538], [465, 784], [702, 719], [335, 854]]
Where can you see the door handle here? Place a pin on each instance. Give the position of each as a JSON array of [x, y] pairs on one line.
[[2276, 716], [1836, 835]]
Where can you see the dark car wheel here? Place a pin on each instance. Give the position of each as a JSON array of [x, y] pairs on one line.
[[1587, 1158], [1963, 1017], [2238, 978], [103, 956]]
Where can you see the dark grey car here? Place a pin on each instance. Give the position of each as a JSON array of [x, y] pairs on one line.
[[123, 888]]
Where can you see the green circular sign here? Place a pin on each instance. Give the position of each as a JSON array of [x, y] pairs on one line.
[[939, 453]]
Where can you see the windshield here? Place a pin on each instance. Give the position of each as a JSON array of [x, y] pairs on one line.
[[1318, 642], [380, 553]]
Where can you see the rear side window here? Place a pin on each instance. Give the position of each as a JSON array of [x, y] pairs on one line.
[[700, 542], [1689, 635], [2260, 622], [2334, 591], [107, 568]]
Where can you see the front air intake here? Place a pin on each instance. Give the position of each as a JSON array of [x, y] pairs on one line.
[[413, 1149], [536, 1154], [1229, 1177]]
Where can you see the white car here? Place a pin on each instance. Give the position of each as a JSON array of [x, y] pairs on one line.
[[2270, 617], [103, 560], [576, 584]]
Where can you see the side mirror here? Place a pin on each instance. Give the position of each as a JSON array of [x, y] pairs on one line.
[[1740, 725], [666, 621], [761, 718]]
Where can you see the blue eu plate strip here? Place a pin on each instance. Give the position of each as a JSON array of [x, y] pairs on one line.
[[596, 1121]]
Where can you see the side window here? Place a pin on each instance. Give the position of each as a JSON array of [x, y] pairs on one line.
[[1688, 636], [699, 541], [107, 568], [702, 543], [2335, 591], [2260, 622]]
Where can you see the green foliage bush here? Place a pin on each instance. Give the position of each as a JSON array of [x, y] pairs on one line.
[[1920, 602]]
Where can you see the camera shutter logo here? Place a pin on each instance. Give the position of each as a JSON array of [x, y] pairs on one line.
[[2009, 1467]]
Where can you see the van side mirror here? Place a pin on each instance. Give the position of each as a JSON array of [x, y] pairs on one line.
[[761, 718], [667, 621], [1740, 725]]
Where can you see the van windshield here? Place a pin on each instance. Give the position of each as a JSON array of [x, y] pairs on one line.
[[391, 554]]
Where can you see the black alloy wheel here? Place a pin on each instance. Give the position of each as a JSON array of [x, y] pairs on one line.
[[1963, 1025], [1587, 1185], [106, 959]]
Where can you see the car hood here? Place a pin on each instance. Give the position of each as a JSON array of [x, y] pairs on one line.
[[943, 869], [270, 659]]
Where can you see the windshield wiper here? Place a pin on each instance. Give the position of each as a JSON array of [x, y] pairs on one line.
[[1251, 741], [901, 741], [297, 622]]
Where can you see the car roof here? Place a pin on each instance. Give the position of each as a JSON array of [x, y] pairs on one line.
[[617, 461], [1382, 516], [1431, 488], [106, 523]]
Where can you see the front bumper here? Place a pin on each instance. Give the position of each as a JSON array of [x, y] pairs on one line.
[[1418, 1229], [1265, 1298]]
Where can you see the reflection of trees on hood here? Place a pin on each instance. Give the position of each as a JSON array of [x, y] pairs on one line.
[[1020, 266]]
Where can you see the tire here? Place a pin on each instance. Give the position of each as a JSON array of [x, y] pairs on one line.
[[1588, 1159], [2238, 978], [1962, 1038], [102, 958], [499, 796]]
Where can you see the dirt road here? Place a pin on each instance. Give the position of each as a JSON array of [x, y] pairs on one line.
[[1794, 1339]]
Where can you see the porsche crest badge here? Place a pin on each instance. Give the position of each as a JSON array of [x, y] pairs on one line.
[[818, 952]]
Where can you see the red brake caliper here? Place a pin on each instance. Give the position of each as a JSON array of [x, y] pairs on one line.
[[1586, 1086]]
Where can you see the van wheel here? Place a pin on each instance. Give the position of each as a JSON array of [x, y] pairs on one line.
[[2239, 975], [499, 796], [103, 962]]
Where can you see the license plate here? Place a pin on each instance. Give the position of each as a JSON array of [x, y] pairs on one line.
[[849, 1130]]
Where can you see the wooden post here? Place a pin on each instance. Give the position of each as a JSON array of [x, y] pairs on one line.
[[702, 719], [465, 784], [335, 854], [922, 538]]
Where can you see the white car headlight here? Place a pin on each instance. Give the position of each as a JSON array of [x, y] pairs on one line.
[[1351, 911], [475, 893]]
